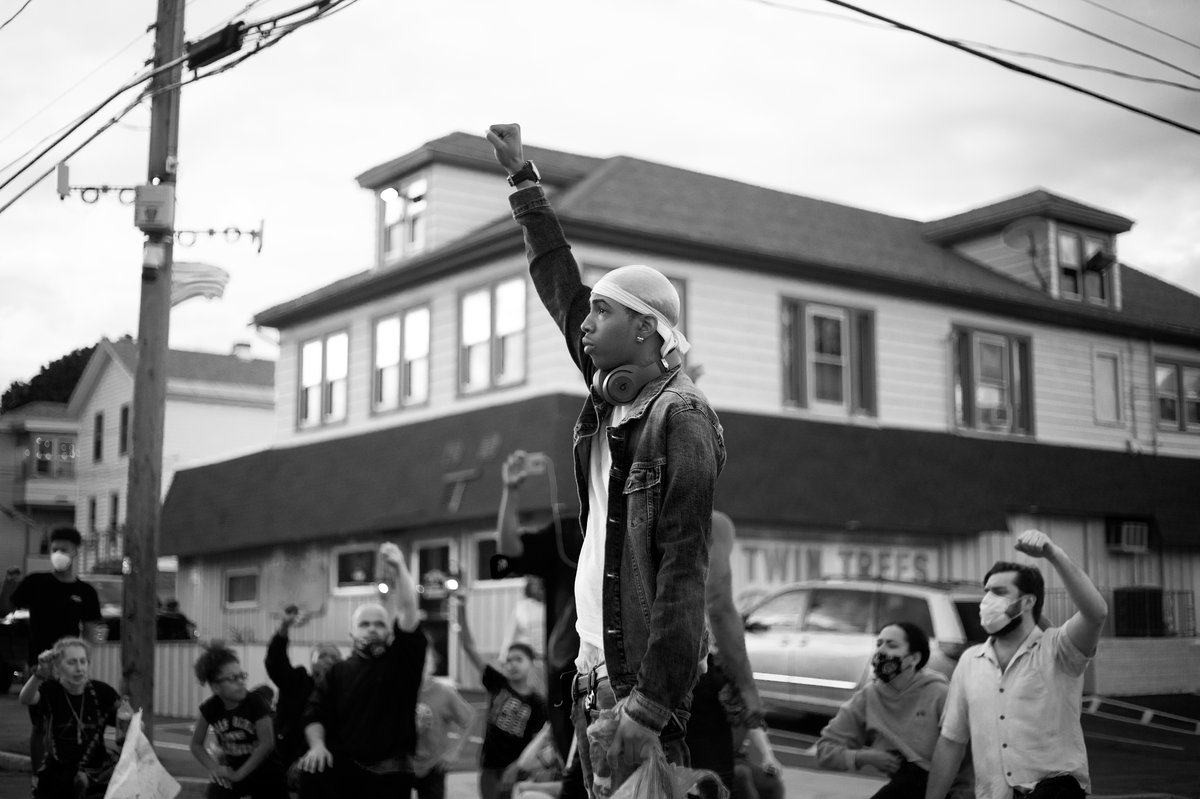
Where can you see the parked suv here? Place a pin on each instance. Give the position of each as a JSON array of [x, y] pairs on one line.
[[810, 643]]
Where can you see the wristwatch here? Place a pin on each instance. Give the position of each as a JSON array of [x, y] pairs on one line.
[[527, 172]]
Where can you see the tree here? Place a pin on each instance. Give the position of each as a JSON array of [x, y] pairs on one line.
[[54, 383]]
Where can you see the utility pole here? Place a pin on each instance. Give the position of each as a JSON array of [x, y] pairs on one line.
[[155, 216]]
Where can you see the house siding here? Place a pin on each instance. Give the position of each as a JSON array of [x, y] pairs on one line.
[[99, 480]]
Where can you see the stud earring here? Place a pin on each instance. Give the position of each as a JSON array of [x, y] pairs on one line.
[[640, 339]]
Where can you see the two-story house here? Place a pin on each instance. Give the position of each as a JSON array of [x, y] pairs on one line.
[[37, 481], [898, 396], [216, 406]]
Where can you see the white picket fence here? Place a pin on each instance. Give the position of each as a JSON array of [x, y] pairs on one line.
[[177, 692]]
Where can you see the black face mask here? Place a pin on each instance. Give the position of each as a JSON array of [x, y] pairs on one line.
[[887, 667], [370, 649]]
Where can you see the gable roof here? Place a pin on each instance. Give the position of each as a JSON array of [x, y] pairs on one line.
[[463, 149], [632, 203], [182, 365]]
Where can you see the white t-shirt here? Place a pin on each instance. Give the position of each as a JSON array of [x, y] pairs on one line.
[[589, 579]]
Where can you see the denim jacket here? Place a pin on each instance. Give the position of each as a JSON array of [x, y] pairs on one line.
[[666, 457]]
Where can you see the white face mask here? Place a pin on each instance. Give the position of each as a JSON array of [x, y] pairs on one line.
[[60, 561], [995, 612]]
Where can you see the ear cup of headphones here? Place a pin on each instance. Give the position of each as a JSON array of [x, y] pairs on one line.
[[619, 386]]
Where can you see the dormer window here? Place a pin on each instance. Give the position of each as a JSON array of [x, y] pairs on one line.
[[404, 209], [1084, 267]]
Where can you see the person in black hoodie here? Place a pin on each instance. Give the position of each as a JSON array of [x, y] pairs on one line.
[[361, 719], [295, 685]]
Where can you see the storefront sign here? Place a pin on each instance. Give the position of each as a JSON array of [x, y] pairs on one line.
[[765, 563]]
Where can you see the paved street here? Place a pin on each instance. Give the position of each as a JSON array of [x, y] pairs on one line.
[[1127, 759]]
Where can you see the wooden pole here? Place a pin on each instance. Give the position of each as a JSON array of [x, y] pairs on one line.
[[150, 382]]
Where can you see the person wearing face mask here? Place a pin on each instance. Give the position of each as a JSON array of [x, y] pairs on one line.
[[1017, 697], [60, 605], [360, 722], [891, 724]]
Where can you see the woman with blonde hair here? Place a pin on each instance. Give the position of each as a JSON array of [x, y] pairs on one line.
[[77, 710]]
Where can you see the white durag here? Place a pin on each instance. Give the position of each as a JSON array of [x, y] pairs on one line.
[[644, 289]]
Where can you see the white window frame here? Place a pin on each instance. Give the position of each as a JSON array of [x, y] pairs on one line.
[[1001, 422], [243, 571], [405, 217], [1179, 424], [813, 359], [492, 346], [370, 588], [1099, 355], [326, 387], [1086, 245], [412, 359]]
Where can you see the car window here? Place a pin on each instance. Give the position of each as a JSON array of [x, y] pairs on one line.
[[778, 613], [838, 611], [898, 607], [968, 612]]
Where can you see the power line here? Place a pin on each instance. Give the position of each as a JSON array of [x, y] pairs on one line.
[[1076, 65], [1135, 21], [24, 5], [270, 37], [1095, 35], [1018, 68], [991, 47]]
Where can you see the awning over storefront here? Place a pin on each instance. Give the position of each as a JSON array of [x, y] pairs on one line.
[[839, 476], [787, 474]]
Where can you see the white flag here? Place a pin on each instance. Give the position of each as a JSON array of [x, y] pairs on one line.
[[138, 774], [191, 279]]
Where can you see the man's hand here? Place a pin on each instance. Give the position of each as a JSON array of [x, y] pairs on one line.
[[887, 762], [506, 141], [222, 776], [631, 744], [509, 778], [316, 759], [45, 665], [1035, 543], [392, 554], [291, 616], [512, 471]]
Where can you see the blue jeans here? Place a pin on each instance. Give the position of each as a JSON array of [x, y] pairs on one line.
[[592, 695]]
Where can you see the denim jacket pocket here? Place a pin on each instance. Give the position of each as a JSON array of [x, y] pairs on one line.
[[642, 492]]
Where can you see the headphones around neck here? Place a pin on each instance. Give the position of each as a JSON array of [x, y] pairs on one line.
[[621, 385]]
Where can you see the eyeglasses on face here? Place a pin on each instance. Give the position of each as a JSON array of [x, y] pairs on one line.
[[241, 676]]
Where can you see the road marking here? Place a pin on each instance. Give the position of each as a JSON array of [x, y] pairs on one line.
[[1119, 739]]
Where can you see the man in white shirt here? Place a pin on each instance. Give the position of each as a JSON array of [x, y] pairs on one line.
[[1016, 698]]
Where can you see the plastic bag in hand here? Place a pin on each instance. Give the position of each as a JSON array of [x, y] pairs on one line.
[[658, 779]]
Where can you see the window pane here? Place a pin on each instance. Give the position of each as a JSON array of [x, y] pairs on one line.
[[512, 359], [1095, 285], [387, 387], [838, 611], [827, 336], [417, 382], [1070, 282], [310, 364], [416, 333], [913, 609], [1166, 377], [336, 356], [1068, 249], [1191, 395], [827, 382], [991, 362], [510, 307], [476, 321], [478, 367], [337, 400], [387, 341], [310, 404], [241, 588], [356, 568], [781, 612]]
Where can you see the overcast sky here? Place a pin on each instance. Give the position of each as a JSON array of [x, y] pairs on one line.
[[797, 95]]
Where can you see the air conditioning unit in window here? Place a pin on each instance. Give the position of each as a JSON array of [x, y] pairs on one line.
[[1128, 538], [994, 418]]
